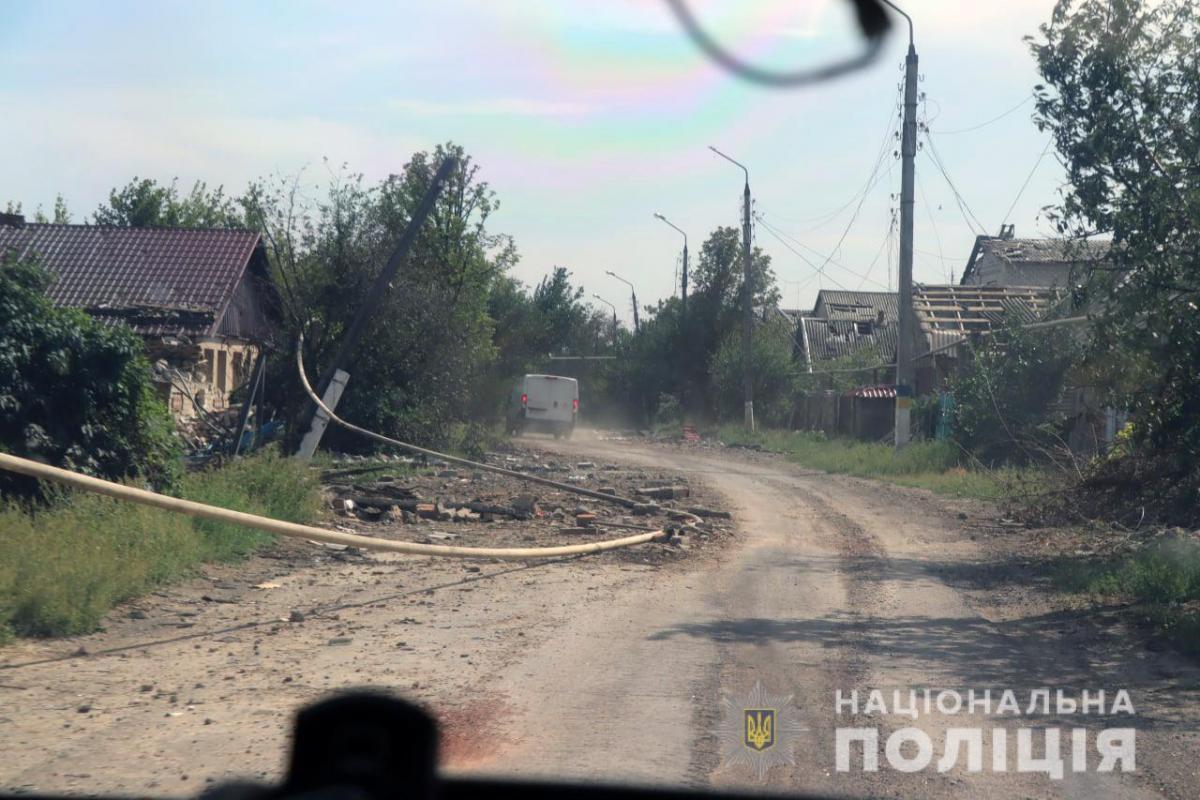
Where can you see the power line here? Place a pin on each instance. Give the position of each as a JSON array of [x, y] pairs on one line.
[[932, 154], [828, 259], [1028, 178], [929, 213], [804, 258], [882, 244], [888, 133], [989, 122]]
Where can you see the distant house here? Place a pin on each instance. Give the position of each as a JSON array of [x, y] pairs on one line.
[[199, 298], [1006, 261], [845, 323]]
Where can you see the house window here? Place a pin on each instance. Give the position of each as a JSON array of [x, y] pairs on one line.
[[222, 366], [863, 328], [239, 369]]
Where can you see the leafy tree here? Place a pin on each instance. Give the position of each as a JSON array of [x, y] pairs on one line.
[[144, 203], [430, 344], [715, 308], [60, 215], [718, 274], [774, 371], [74, 392], [1121, 98], [1008, 402]]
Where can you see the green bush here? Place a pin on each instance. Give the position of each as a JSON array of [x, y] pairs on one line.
[[64, 566], [1163, 580], [1008, 403], [76, 393]]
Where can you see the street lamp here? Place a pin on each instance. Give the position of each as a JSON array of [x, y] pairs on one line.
[[683, 297], [632, 293], [747, 295], [614, 310]]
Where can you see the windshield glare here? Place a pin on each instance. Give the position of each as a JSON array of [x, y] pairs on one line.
[[787, 396]]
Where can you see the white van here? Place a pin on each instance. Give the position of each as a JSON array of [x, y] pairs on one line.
[[544, 404]]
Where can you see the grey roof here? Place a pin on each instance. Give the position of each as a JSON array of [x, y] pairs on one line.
[[1036, 252], [827, 339], [841, 304], [1045, 251]]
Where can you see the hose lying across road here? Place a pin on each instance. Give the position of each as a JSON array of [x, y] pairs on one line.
[[180, 506], [565, 487], [175, 504]]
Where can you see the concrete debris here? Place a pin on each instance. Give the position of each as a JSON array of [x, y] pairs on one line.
[[371, 497], [665, 492], [709, 512]]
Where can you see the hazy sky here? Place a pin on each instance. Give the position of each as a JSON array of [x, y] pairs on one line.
[[586, 117]]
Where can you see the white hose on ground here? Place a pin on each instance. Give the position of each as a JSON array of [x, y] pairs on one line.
[[565, 487], [191, 508]]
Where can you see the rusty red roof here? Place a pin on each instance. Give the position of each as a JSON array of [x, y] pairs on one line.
[[162, 281]]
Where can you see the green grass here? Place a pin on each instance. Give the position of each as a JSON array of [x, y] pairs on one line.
[[63, 567], [1161, 580], [927, 465]]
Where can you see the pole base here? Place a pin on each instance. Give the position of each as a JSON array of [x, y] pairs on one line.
[[903, 422]]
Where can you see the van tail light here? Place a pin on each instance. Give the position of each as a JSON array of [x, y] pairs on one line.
[[524, 400], [575, 405]]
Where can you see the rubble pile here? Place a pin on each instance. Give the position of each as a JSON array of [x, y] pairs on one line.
[[432, 501]]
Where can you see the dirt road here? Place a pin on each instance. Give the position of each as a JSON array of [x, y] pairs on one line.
[[603, 668]]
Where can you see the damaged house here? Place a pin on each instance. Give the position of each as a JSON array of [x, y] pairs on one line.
[[1005, 260], [199, 298], [846, 323]]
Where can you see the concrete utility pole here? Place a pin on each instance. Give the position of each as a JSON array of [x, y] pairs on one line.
[[908, 157], [683, 295], [379, 290], [632, 293], [747, 298]]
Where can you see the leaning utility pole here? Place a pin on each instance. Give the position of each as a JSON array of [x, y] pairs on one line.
[[908, 156], [747, 298], [379, 290]]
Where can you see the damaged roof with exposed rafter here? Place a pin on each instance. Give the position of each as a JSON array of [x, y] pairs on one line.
[[948, 313], [160, 281]]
